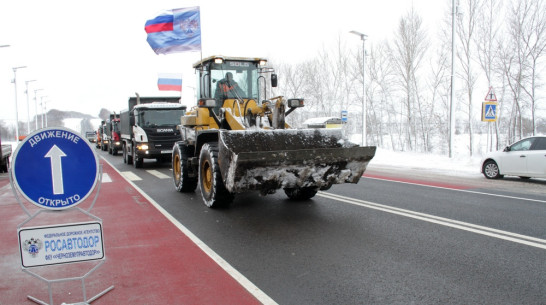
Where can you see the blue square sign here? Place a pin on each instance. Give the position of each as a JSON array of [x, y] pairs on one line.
[[55, 168], [489, 111]]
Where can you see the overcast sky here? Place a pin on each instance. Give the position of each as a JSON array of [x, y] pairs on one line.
[[88, 55]]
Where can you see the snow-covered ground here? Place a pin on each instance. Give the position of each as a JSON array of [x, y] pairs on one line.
[[461, 164]]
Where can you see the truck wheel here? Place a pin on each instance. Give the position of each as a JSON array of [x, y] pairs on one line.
[[5, 167], [124, 153], [300, 193], [182, 182], [137, 162], [128, 159], [212, 187]]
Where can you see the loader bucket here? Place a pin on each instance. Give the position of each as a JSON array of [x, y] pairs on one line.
[[267, 160]]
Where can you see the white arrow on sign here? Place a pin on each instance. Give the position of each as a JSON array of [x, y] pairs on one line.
[[55, 154]]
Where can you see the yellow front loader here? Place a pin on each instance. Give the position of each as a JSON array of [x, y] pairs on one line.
[[236, 139]]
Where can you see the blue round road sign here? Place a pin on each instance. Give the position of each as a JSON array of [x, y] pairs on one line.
[[55, 168]]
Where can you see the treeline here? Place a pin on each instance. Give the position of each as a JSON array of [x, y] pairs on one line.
[[498, 44]]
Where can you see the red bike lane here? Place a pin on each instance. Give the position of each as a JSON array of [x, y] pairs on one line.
[[149, 260]]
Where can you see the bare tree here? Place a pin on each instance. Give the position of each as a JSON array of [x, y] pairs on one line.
[[379, 91], [487, 31], [465, 34], [530, 16], [408, 51], [517, 61]]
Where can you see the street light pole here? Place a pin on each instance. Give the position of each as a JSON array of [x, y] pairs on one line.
[[36, 108], [28, 105], [364, 102], [45, 112], [16, 112], [42, 106]]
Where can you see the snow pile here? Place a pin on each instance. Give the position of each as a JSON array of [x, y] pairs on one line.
[[459, 165]]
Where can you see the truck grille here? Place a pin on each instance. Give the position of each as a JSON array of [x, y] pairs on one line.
[[163, 140]]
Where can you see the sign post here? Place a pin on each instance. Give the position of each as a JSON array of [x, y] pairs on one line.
[[490, 113], [56, 169]]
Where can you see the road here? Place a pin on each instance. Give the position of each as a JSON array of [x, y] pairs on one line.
[[398, 236]]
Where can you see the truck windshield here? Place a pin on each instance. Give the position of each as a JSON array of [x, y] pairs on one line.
[[233, 79], [160, 117]]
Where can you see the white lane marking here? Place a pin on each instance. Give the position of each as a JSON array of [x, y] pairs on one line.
[[106, 178], [459, 190], [129, 175], [240, 278], [505, 235], [158, 174]]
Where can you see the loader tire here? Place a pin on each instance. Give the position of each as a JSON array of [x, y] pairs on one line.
[[300, 193], [212, 187], [182, 182]]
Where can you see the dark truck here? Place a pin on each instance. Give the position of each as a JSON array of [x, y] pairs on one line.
[[4, 156], [149, 128], [113, 134]]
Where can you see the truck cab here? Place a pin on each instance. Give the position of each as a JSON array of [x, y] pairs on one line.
[[149, 128]]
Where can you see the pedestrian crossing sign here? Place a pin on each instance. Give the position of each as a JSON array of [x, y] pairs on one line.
[[489, 111]]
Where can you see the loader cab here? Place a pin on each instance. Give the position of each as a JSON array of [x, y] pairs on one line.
[[224, 78]]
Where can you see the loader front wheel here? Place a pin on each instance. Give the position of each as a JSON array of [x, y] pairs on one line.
[[300, 193], [212, 187], [182, 182]]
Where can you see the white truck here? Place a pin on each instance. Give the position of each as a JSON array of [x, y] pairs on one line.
[[149, 128]]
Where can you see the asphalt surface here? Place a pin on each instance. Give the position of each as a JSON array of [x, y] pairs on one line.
[[396, 237], [399, 236]]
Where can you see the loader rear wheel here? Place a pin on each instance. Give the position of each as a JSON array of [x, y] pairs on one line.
[[212, 187], [182, 182], [300, 193]]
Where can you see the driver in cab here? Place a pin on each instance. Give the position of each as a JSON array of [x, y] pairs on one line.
[[228, 88]]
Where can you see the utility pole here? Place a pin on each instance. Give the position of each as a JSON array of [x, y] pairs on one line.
[[452, 102]]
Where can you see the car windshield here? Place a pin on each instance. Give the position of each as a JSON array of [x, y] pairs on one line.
[[160, 117]]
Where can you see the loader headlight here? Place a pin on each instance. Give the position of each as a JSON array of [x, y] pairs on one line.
[[295, 102], [207, 103]]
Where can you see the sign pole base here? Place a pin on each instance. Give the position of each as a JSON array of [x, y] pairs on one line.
[[82, 278]]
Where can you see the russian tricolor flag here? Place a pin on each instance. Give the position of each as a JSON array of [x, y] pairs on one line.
[[169, 82], [163, 22], [176, 30]]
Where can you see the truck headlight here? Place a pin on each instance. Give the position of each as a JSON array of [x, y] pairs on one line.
[[142, 146]]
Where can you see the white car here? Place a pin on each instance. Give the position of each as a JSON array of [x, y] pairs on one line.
[[525, 158]]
